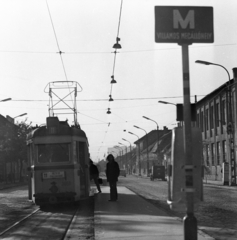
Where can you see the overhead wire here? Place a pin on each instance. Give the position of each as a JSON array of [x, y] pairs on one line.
[[59, 52], [128, 51], [116, 46], [56, 39], [115, 54], [117, 99]]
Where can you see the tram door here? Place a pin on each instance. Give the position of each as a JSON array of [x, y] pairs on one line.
[[81, 146], [30, 157]]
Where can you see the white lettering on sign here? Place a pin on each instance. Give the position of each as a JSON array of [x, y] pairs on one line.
[[189, 20], [185, 36], [168, 35], [56, 174]]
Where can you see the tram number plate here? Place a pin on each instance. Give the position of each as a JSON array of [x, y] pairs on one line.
[[56, 174]]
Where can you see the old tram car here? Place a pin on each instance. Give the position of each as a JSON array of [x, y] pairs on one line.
[[58, 157]]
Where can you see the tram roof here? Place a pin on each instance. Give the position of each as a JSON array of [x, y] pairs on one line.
[[54, 127]]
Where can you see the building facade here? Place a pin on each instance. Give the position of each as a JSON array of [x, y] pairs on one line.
[[216, 117], [149, 150]]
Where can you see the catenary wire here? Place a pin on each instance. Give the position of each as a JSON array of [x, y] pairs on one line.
[[124, 51], [59, 50]]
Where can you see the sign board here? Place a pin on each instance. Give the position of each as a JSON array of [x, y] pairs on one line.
[[184, 25], [56, 174]]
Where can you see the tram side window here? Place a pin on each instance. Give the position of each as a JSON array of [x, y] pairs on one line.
[[48, 153]]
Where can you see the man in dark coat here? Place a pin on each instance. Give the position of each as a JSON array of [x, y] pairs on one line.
[[94, 174], [112, 173]]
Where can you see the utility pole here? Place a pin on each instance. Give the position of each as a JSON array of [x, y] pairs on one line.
[[147, 154], [183, 22], [139, 157], [157, 130]]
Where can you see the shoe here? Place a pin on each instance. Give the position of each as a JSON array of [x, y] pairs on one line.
[[110, 200], [99, 192]]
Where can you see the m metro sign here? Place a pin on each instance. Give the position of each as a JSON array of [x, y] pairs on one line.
[[183, 25]]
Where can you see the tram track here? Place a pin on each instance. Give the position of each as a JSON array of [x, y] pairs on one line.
[[58, 222], [18, 222], [67, 230], [49, 223]]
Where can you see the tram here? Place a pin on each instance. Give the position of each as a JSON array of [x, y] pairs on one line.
[[58, 159]]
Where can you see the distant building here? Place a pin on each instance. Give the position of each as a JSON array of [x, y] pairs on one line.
[[151, 146], [7, 168]]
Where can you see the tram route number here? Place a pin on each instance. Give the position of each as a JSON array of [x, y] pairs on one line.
[[55, 174]]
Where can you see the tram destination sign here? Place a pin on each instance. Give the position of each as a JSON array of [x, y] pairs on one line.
[[183, 25]]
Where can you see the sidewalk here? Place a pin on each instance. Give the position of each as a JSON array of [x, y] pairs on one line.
[[132, 217], [214, 183], [10, 185]]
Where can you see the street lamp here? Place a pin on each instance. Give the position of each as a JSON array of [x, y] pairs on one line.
[[5, 100], [130, 152], [139, 159], [232, 170], [146, 148], [157, 130], [210, 63], [179, 111], [126, 155], [21, 115], [164, 102]]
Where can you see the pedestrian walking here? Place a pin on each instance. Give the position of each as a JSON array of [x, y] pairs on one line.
[[94, 174], [112, 173]]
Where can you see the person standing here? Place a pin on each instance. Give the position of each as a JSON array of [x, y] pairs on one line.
[[112, 173], [94, 174]]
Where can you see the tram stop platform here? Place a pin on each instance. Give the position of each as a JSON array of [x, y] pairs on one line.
[[132, 217]]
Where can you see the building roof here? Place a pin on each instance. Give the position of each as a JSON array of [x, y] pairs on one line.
[[164, 141], [217, 91]]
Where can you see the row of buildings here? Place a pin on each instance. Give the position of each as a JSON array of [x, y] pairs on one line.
[[13, 168], [216, 116]]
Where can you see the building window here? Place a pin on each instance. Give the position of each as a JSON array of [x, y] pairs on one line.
[[207, 154], [206, 119], [224, 150], [217, 115], [212, 117], [218, 150], [213, 154], [198, 121], [201, 121], [223, 112]]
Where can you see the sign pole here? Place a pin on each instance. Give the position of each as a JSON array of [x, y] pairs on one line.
[[189, 221], [185, 25]]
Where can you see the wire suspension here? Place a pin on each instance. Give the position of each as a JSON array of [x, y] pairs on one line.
[[115, 52]]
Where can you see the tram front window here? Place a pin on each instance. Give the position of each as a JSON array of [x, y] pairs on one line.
[[48, 153]]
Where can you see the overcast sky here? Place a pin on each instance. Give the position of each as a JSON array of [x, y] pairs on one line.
[[85, 31]]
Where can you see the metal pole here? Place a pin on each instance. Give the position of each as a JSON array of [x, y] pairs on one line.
[[126, 158], [158, 145], [157, 128], [147, 155], [130, 159], [190, 222], [146, 149], [120, 155], [139, 157], [129, 154], [233, 165]]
